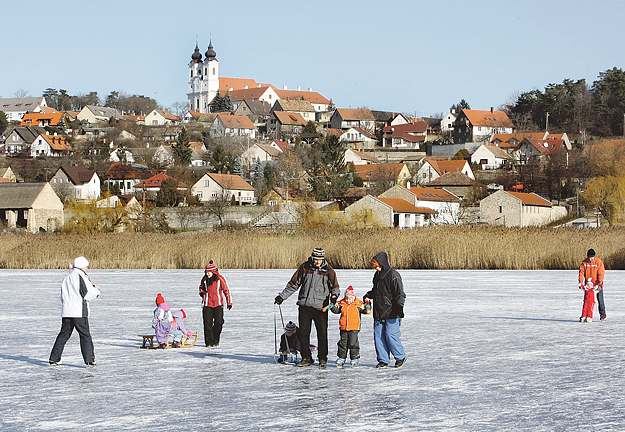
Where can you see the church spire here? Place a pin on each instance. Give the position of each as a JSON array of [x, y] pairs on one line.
[[197, 56], [210, 53]]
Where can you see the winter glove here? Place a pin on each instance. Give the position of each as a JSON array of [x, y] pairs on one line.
[[189, 334], [229, 307], [333, 299], [278, 300], [580, 285]]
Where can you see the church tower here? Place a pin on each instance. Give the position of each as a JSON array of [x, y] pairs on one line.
[[203, 79]]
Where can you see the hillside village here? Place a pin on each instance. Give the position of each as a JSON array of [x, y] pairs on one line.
[[274, 157]]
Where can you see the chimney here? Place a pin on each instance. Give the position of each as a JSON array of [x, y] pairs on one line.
[[492, 110], [408, 185], [284, 88], [298, 88], [245, 87], [309, 88]]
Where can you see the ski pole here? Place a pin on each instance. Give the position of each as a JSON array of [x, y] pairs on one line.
[[288, 349]]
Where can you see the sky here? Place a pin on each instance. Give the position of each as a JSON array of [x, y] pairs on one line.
[[416, 57]]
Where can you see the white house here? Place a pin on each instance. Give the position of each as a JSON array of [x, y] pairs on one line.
[[447, 122], [158, 117], [490, 157], [15, 108], [358, 138], [49, 145], [233, 125], [518, 209], [432, 168], [213, 186], [359, 157], [446, 204], [259, 153], [96, 114], [392, 212], [84, 182], [345, 118], [476, 125]]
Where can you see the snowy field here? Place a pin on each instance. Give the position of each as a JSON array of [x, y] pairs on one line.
[[487, 351]]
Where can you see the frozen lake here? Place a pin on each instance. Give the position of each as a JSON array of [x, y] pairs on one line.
[[487, 350]]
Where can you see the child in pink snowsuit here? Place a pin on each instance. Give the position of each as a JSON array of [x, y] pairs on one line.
[[589, 300], [177, 328], [161, 322]]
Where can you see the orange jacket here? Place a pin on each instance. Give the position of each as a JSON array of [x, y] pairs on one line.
[[350, 314], [594, 270]]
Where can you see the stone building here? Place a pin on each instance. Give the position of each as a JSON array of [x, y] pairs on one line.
[[33, 206]]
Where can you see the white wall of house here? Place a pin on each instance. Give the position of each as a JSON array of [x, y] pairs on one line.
[[207, 189], [487, 159], [502, 208]]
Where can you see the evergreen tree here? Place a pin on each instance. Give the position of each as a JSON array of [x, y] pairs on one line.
[[169, 195], [237, 168], [181, 149], [221, 104], [222, 160], [4, 123]]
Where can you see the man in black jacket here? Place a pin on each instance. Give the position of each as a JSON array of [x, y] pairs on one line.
[[388, 309], [317, 284]]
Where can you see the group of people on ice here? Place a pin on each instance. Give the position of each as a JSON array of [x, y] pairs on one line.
[[318, 291]]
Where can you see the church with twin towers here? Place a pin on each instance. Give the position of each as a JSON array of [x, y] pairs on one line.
[[205, 83]]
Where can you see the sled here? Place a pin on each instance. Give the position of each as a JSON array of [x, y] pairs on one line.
[[292, 357], [187, 341]]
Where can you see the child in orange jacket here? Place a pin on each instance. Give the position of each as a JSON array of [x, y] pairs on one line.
[[350, 308]]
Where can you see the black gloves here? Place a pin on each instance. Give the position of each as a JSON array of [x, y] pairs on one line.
[[333, 299], [229, 307], [278, 300]]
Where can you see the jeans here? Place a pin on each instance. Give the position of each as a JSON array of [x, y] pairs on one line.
[[386, 335], [177, 335], [86, 344], [601, 304]]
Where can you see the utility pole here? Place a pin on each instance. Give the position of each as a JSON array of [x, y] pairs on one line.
[[547, 123]]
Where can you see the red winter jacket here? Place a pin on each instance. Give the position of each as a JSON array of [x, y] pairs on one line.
[[212, 292]]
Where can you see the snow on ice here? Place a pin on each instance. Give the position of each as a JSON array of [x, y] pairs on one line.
[[487, 350]]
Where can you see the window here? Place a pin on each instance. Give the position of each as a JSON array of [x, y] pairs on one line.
[[206, 183], [214, 71], [500, 209]]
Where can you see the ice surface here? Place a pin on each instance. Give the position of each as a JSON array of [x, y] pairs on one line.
[[487, 350]]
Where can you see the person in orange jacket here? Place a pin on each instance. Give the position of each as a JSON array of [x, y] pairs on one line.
[[593, 268], [350, 308]]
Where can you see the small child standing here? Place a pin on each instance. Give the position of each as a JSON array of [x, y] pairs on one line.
[[350, 308], [289, 343], [161, 323], [589, 299], [177, 327]]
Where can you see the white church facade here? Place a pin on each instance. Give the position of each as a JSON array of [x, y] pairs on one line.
[[203, 79]]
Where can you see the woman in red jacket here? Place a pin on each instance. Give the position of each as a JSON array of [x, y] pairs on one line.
[[213, 288], [593, 268]]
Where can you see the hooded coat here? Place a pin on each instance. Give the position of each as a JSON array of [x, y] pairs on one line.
[[178, 322], [315, 284], [388, 291], [76, 293]]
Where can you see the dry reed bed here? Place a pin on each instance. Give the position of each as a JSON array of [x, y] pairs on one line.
[[429, 248]]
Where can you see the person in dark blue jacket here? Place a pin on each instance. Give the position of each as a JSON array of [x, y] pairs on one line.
[[388, 309]]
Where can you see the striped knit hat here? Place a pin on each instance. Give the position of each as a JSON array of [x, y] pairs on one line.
[[290, 327], [318, 253], [350, 291], [210, 267]]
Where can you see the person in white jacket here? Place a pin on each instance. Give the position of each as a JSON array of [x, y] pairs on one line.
[[76, 293]]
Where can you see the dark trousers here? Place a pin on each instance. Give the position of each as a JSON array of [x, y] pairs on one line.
[[86, 344], [213, 323], [349, 341], [601, 303], [306, 316]]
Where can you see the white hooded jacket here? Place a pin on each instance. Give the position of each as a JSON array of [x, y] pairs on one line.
[[76, 293]]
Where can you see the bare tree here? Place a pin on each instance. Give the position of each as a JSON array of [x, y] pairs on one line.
[[21, 93]]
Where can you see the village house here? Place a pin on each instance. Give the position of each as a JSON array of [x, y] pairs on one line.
[[76, 182], [228, 125], [457, 183], [447, 122], [7, 175], [158, 117], [155, 183], [296, 106], [534, 150], [432, 168], [475, 125], [446, 204], [257, 110], [320, 103], [283, 125], [258, 153], [56, 119], [512, 140], [33, 206], [358, 139], [345, 118], [125, 176], [20, 138], [359, 157], [491, 157], [397, 173], [214, 186], [96, 114], [518, 209], [16, 108], [391, 212], [407, 135], [50, 145]]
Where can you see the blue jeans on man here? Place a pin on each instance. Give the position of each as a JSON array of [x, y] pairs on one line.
[[387, 338]]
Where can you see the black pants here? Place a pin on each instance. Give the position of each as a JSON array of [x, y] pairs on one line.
[[213, 323], [86, 344], [349, 341], [306, 316], [601, 304]]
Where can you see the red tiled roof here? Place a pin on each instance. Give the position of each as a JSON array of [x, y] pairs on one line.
[[157, 181], [401, 206], [531, 199], [310, 96], [35, 119], [355, 114], [433, 194], [287, 118], [236, 121], [488, 118], [56, 142], [252, 93], [373, 171], [445, 166], [230, 181]]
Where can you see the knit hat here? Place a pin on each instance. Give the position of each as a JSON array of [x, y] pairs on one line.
[[81, 262], [350, 291], [210, 267], [184, 315], [159, 299], [318, 253], [591, 253], [290, 327]]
